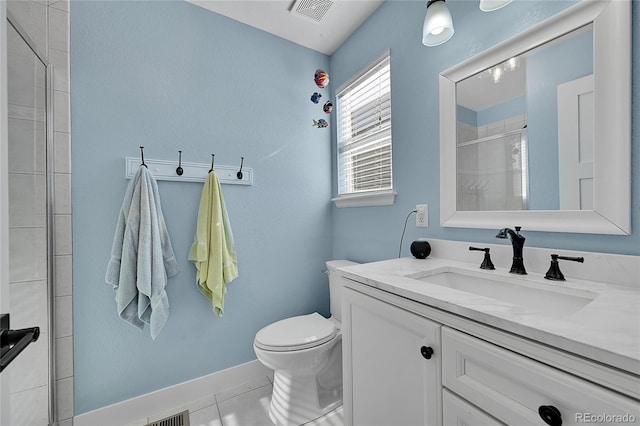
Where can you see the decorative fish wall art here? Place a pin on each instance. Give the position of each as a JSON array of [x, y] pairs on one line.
[[315, 98], [321, 78]]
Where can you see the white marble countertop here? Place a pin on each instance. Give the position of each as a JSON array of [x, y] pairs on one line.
[[606, 330]]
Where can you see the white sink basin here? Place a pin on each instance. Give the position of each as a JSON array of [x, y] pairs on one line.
[[552, 299]]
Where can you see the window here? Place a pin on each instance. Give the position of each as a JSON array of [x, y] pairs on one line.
[[364, 138]]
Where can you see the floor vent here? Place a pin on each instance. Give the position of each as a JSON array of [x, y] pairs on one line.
[[312, 9], [180, 419]]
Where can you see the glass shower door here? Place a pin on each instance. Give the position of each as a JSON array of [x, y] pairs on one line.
[[30, 269]]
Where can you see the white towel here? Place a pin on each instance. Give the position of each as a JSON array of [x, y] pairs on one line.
[[142, 257]]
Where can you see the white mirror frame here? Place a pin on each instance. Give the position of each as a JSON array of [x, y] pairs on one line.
[[612, 81]]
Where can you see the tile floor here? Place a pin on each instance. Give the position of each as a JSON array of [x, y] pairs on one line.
[[246, 405]]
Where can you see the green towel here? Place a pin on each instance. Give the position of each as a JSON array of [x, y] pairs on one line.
[[213, 250]]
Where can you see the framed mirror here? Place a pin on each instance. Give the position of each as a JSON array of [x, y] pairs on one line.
[[536, 131]]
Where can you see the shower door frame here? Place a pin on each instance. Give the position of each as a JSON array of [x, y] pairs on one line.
[[4, 197], [8, 20]]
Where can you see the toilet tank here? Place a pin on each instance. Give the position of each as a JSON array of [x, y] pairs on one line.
[[335, 286]]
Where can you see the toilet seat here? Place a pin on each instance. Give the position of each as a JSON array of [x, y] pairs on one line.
[[296, 333]]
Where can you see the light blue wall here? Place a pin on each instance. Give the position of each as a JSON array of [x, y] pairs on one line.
[[492, 114], [546, 70], [467, 116], [373, 233], [170, 76], [510, 108]]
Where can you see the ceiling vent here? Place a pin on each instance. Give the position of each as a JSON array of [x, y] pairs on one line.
[[311, 9], [180, 419]]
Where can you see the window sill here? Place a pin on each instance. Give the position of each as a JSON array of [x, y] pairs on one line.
[[386, 198]]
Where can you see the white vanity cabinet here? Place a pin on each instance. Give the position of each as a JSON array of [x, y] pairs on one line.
[[476, 375], [391, 364], [520, 391]]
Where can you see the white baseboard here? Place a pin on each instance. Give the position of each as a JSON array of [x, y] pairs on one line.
[[160, 401]]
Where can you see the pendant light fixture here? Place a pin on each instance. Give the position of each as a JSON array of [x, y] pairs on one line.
[[438, 25], [491, 5]]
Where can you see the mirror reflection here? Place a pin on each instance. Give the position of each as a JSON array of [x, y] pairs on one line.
[[525, 130]]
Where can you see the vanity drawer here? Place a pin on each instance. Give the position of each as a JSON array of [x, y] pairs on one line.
[[513, 388], [457, 411]]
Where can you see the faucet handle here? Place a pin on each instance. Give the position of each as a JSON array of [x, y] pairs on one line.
[[554, 272], [486, 262], [574, 259]]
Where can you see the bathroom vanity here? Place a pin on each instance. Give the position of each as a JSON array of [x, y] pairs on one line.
[[420, 348], [441, 342]]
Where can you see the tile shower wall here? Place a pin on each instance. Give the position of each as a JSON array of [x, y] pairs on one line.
[[490, 164], [59, 57], [47, 23]]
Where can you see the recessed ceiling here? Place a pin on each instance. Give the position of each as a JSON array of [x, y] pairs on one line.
[[321, 25]]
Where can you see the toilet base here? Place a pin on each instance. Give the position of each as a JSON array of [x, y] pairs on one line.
[[301, 398]]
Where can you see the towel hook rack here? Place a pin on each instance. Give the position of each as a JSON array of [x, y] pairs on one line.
[[142, 156], [192, 172], [212, 158], [239, 174], [179, 170]]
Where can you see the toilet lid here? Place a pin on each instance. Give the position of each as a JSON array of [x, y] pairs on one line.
[[295, 333]]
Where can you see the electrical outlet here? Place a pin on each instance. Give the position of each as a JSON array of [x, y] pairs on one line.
[[422, 215]]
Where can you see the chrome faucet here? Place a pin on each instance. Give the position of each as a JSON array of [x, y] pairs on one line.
[[517, 241]]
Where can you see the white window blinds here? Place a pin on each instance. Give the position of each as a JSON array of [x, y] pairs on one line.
[[364, 132]]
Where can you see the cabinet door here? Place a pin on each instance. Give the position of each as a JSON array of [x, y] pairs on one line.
[[387, 380]]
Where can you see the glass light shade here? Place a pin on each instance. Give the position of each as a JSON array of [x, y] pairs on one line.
[[497, 74], [438, 25], [511, 64], [491, 5]]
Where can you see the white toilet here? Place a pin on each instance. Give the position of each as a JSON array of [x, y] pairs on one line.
[[305, 353]]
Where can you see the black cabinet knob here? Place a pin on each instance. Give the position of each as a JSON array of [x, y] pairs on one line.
[[426, 352], [550, 415]]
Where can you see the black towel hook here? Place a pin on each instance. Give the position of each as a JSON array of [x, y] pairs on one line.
[[212, 158], [179, 170], [142, 156], [239, 174]]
